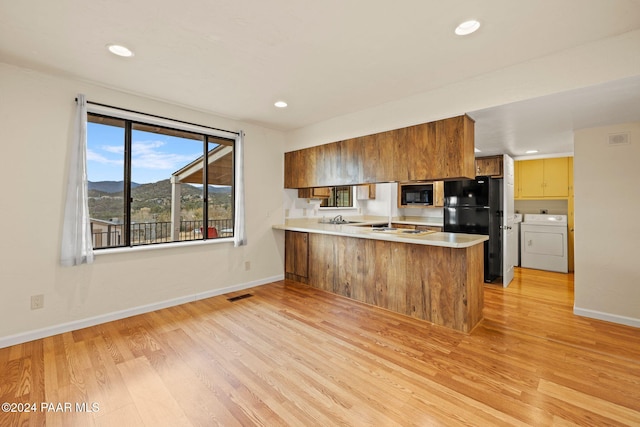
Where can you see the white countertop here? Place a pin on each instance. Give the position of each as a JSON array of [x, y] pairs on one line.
[[362, 231]]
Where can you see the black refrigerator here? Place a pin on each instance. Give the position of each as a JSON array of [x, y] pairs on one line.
[[474, 206]]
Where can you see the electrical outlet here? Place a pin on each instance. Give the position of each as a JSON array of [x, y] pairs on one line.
[[247, 265], [37, 302]]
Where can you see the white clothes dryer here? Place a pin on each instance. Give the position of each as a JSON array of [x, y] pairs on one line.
[[543, 242]]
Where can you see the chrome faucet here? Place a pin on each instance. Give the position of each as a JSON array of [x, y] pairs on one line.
[[338, 219]]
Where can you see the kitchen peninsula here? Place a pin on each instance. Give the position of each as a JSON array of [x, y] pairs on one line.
[[433, 276]]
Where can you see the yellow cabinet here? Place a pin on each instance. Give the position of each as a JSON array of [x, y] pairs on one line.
[[516, 179], [542, 178]]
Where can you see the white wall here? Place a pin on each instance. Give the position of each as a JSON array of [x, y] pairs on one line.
[[586, 65], [553, 207], [36, 115], [607, 234]]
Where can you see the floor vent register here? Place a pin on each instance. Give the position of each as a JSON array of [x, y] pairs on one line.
[[239, 297]]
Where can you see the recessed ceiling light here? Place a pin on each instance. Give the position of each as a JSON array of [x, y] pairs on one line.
[[531, 151], [280, 104], [467, 27], [119, 50]]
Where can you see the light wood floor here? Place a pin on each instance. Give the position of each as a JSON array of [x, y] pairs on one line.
[[292, 355]]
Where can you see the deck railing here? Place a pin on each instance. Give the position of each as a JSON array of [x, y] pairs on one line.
[[148, 233]]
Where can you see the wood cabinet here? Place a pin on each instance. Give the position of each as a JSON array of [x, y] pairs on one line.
[[438, 284], [366, 192], [438, 193], [296, 255], [314, 193], [437, 150], [489, 166], [378, 160], [542, 178]]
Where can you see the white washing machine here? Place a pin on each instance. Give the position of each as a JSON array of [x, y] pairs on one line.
[[543, 242]]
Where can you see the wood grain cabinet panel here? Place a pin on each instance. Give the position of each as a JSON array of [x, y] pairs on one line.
[[432, 151], [378, 161], [314, 193], [438, 193], [296, 255], [350, 162], [456, 135], [489, 166], [366, 192], [438, 284], [300, 168]]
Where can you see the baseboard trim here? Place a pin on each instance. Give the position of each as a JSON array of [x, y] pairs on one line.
[[117, 315], [614, 318]]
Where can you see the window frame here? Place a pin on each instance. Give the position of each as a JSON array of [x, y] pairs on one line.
[[334, 197], [209, 134]]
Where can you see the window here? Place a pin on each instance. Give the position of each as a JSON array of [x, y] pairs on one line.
[[152, 184], [341, 197]]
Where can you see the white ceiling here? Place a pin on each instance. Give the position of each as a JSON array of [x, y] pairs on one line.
[[546, 124], [327, 58]]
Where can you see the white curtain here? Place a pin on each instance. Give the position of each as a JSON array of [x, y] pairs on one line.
[[77, 247], [239, 232]]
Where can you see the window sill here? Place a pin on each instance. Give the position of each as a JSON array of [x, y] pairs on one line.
[[329, 208], [140, 248]]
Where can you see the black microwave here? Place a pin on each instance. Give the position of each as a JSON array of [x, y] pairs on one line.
[[416, 195]]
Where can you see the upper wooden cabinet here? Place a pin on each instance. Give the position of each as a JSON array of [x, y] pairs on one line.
[[431, 151], [366, 192], [314, 193], [542, 178], [378, 159], [489, 166]]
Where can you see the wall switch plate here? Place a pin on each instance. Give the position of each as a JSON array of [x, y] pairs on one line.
[[37, 302]]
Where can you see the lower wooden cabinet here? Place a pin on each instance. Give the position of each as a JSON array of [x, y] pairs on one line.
[[296, 255], [438, 284]]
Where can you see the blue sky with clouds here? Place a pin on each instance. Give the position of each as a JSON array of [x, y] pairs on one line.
[[154, 156]]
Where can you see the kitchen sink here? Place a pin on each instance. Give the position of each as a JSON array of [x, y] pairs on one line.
[[339, 221]]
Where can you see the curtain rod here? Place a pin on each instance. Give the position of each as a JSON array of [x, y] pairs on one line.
[[159, 117]]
